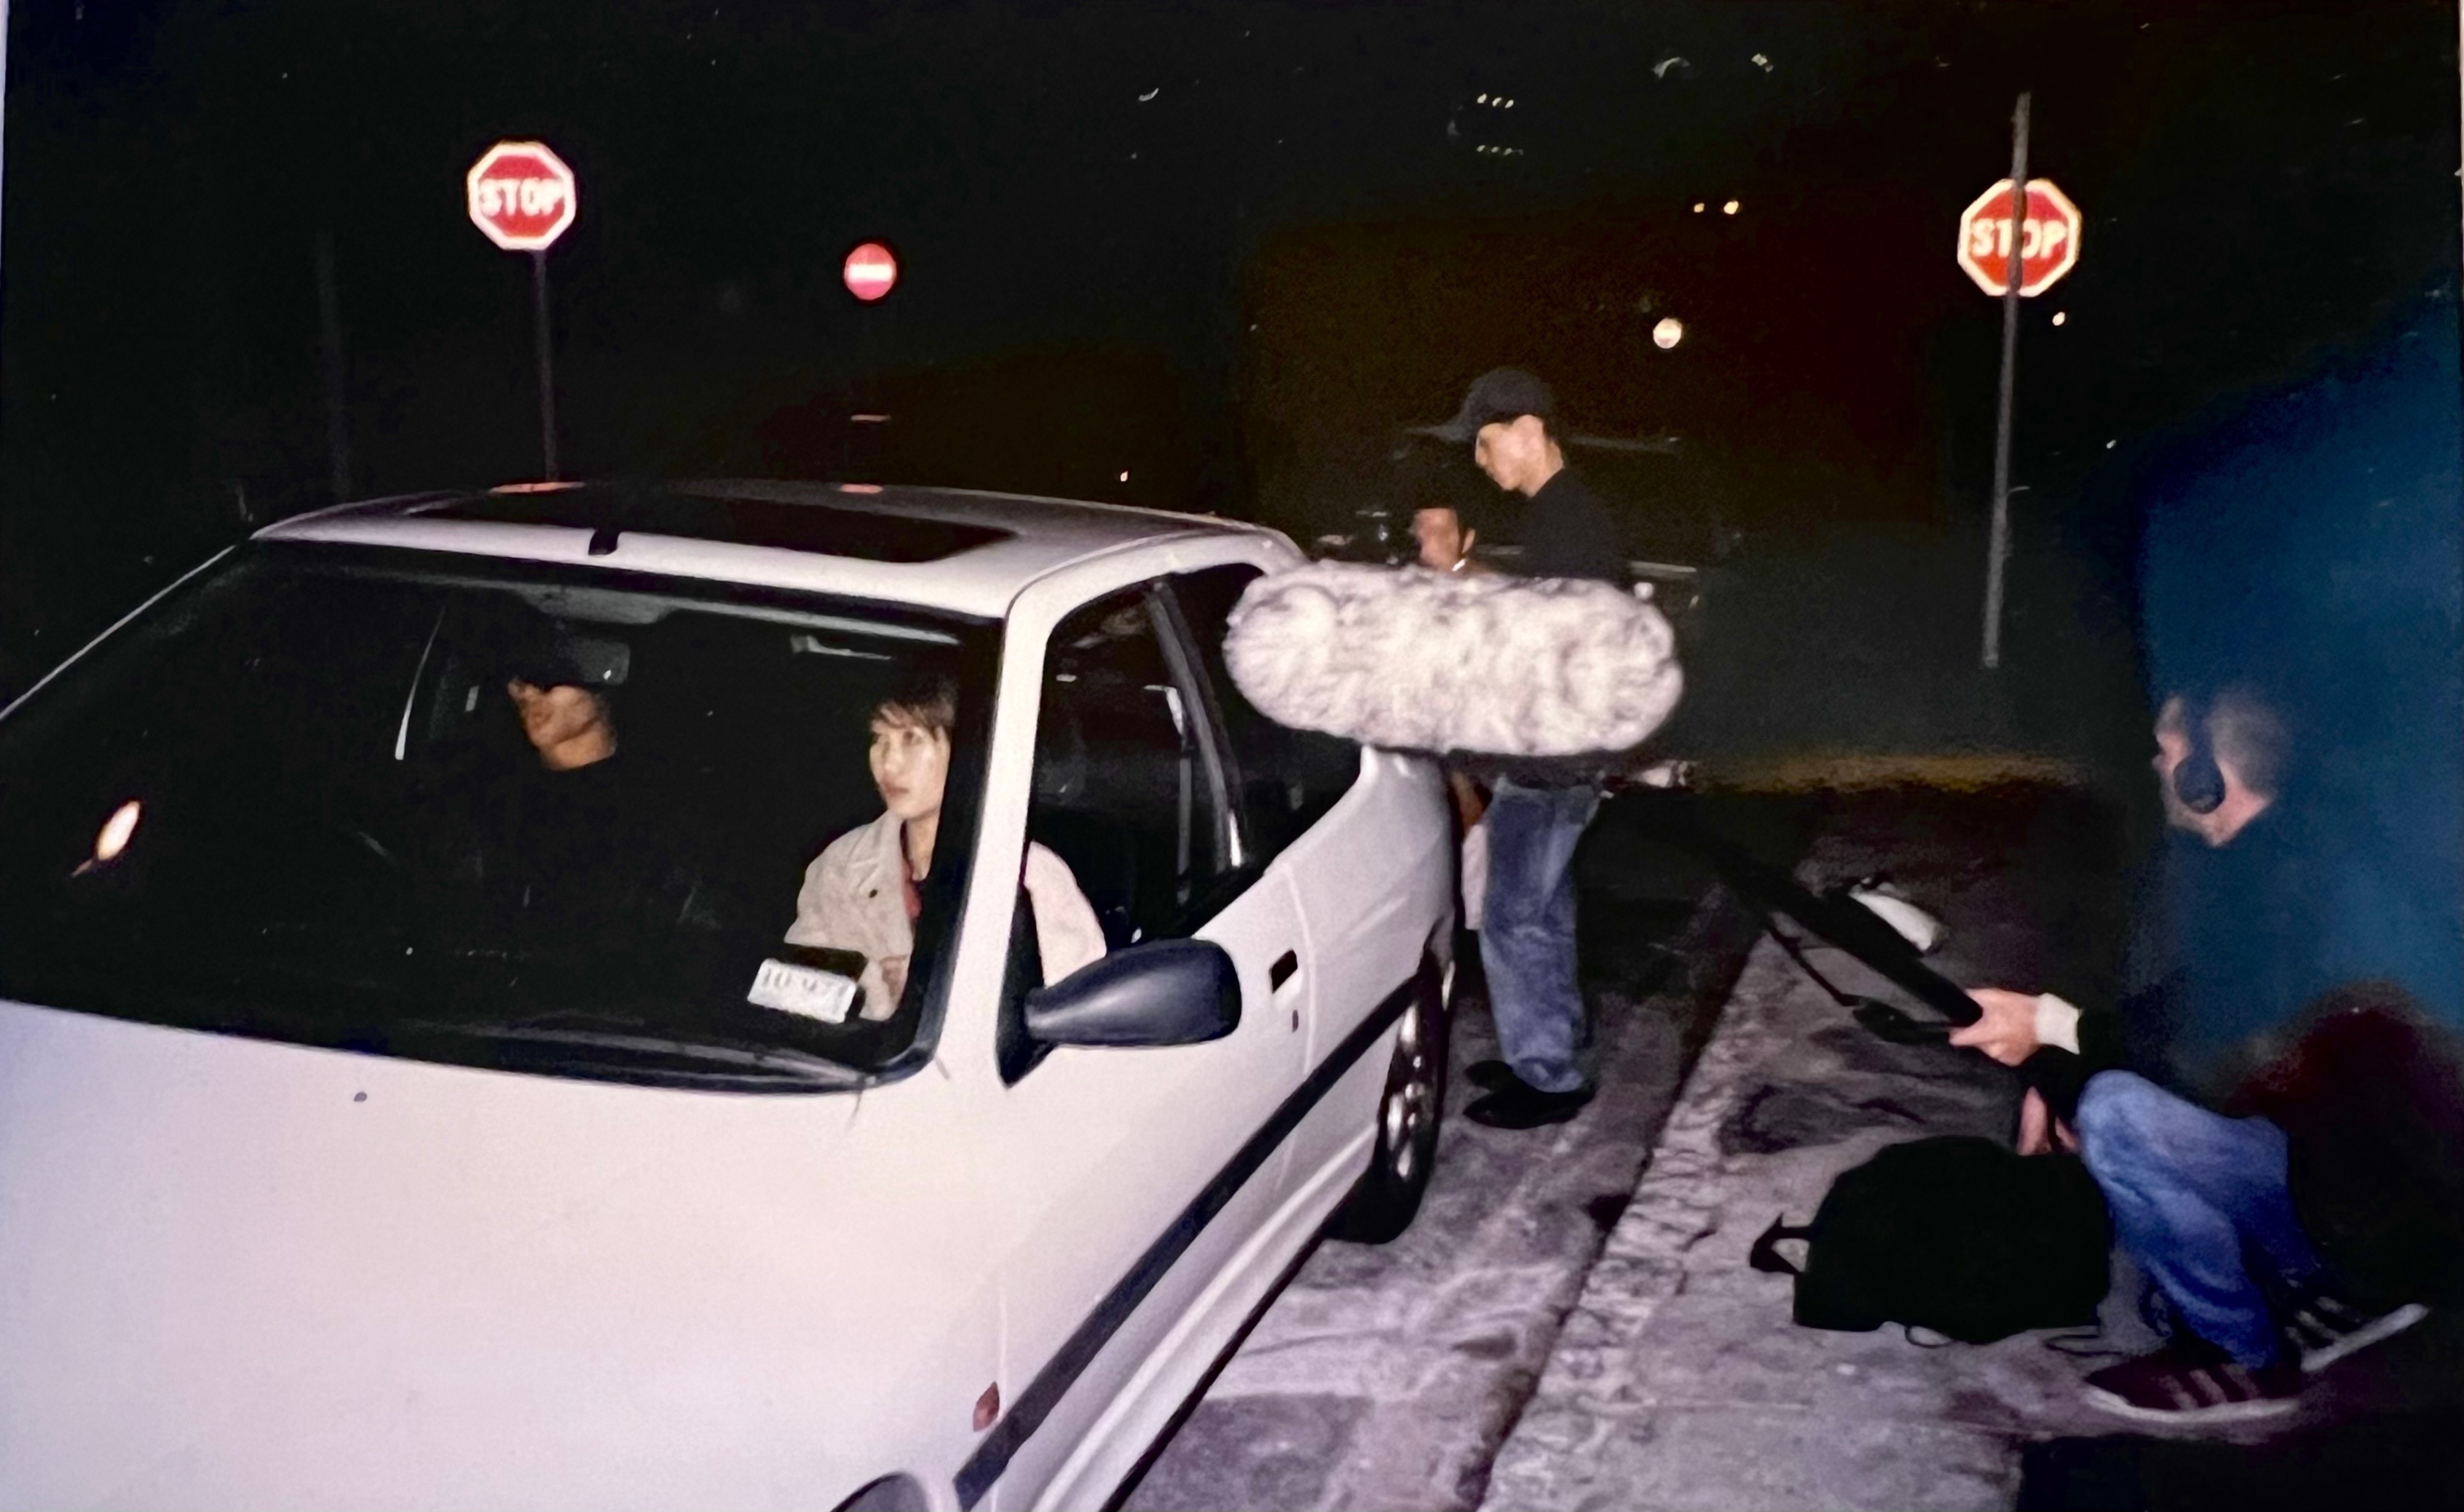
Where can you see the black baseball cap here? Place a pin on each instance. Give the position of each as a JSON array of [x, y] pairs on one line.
[[554, 655], [1500, 394]]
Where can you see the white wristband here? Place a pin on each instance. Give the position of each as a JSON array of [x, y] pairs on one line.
[[2057, 1023]]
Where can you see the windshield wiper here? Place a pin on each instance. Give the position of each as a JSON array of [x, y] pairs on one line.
[[588, 1032]]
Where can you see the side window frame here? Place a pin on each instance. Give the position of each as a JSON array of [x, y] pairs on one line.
[[1262, 842], [1222, 763], [1234, 864], [1220, 852]]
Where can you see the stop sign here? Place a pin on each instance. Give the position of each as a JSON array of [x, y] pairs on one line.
[[2049, 238], [521, 195], [870, 272]]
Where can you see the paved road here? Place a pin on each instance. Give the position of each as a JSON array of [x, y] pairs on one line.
[[1385, 1377]]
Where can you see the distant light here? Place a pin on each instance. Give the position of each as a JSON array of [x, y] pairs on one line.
[[859, 487], [1698, 207], [1150, 94], [1762, 63], [870, 420], [2061, 316], [870, 272], [118, 830], [1509, 104], [1125, 477], [1668, 333], [1729, 208]]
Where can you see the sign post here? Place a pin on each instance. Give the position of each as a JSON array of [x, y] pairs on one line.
[[546, 366], [2016, 244], [523, 197]]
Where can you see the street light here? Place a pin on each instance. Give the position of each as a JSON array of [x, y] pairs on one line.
[[1668, 333]]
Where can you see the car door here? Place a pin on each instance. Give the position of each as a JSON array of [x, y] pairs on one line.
[[1362, 839], [1140, 1183]]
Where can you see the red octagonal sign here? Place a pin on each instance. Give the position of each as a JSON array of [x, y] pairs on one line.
[[2049, 238], [521, 195]]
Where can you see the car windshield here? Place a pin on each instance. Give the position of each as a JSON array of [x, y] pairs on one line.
[[491, 813]]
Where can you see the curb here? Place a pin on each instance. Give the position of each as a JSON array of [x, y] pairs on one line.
[[1716, 946], [1676, 1204]]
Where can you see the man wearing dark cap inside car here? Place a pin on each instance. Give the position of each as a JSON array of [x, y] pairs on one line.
[[577, 838], [1540, 808]]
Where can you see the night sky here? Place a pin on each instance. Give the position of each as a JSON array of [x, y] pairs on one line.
[[1229, 250]]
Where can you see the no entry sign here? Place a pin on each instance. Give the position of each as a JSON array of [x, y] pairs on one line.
[[521, 195], [870, 272], [2049, 238]]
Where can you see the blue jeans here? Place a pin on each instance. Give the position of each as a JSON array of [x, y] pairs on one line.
[[2199, 1200], [1527, 936]]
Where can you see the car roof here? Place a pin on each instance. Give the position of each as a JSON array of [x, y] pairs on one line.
[[951, 549]]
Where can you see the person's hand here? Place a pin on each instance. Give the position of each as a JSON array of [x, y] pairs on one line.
[[2008, 1030], [884, 982], [1470, 803], [2040, 1133]]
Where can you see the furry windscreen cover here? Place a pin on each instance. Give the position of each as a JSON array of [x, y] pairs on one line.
[[1415, 659]]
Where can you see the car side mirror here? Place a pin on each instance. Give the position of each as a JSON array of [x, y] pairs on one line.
[[1164, 992]]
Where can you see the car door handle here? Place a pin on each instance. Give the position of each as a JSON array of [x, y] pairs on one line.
[[1282, 971]]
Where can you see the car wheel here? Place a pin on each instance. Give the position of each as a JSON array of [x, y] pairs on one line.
[[1381, 1206]]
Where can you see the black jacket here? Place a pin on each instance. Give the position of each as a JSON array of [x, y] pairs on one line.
[[1566, 531], [2229, 946]]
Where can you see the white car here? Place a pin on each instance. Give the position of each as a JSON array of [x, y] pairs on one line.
[[330, 1178]]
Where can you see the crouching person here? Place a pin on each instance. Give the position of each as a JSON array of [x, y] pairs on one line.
[[2313, 1214], [2309, 1208]]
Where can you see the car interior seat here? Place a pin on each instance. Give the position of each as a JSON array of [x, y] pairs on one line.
[[1101, 851]]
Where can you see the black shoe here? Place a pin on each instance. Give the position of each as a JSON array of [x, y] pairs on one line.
[[1521, 1106], [1492, 1076]]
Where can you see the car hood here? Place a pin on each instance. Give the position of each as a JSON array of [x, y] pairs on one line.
[[240, 1273]]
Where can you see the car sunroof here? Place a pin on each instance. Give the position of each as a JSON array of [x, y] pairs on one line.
[[609, 513]]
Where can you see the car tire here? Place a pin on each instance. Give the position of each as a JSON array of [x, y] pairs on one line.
[[1384, 1201]]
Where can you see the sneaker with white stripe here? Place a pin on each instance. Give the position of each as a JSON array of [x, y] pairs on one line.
[[2188, 1383], [2324, 1329]]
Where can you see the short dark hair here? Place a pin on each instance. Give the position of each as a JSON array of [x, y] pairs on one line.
[[2246, 728], [2242, 723], [926, 697]]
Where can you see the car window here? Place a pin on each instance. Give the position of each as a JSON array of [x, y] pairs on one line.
[[303, 799], [1286, 777], [1127, 783]]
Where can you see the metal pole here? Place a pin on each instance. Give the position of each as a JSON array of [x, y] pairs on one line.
[[4, 82], [546, 365], [329, 318], [1998, 551]]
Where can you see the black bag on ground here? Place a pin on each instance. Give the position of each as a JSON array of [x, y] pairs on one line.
[[1955, 1233]]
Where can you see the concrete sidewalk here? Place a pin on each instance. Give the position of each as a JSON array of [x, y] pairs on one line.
[[1384, 1377], [1679, 1381]]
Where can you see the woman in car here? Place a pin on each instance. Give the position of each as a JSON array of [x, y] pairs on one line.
[[860, 893]]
